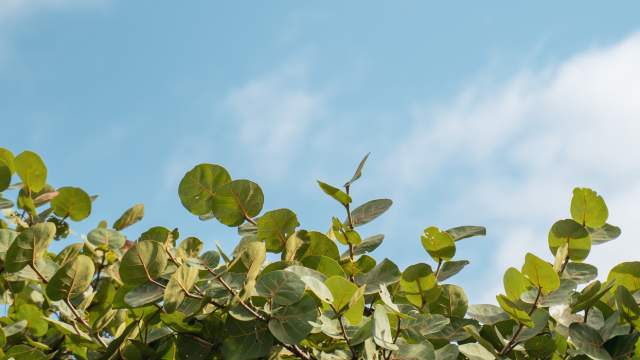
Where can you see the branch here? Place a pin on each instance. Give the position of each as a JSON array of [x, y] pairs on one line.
[[512, 343]]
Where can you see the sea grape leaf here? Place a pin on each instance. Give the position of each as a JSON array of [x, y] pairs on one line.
[[588, 208], [72, 202], [145, 261], [72, 279]]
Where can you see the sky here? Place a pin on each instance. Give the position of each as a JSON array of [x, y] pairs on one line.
[[474, 114]]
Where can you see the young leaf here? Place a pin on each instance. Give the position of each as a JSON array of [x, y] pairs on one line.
[[588, 208], [358, 172], [342, 291], [335, 193], [31, 170], [381, 329], [72, 279], [575, 235], [72, 202], [439, 244], [540, 273]]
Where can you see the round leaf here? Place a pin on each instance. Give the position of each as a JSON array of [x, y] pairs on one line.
[[439, 244], [540, 273], [290, 324], [588, 208], [29, 246], [575, 235], [275, 227], [178, 286], [72, 202], [72, 279], [282, 287], [31, 170], [143, 262], [199, 186], [236, 201], [107, 237]]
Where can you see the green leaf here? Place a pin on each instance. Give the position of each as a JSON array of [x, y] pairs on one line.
[[452, 302], [627, 306], [487, 314], [318, 244], [106, 237], [463, 232], [439, 244], [382, 329], [588, 341], [31, 170], [367, 245], [143, 262], [475, 351], [358, 172], [369, 211], [282, 287], [385, 273], [157, 233], [236, 201], [36, 323], [590, 295], [335, 193], [290, 324], [451, 268], [199, 186], [543, 346], [418, 283], [246, 340], [575, 235], [581, 273], [447, 352], [6, 157], [540, 273], [275, 227], [625, 274], [190, 248], [515, 283], [129, 217], [604, 234], [72, 202], [5, 176], [72, 279], [324, 265], [419, 351], [178, 286], [343, 291], [142, 295], [6, 238], [24, 352], [588, 208], [29, 246], [514, 311]]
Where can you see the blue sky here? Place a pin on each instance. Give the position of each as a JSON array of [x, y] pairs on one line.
[[474, 114]]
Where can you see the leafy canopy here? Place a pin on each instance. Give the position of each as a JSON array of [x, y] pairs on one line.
[[166, 295]]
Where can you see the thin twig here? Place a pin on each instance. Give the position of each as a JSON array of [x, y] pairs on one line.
[[512, 343]]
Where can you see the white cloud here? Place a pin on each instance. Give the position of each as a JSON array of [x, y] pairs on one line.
[[271, 114], [524, 144]]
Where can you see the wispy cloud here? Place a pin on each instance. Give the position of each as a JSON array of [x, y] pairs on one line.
[[522, 145]]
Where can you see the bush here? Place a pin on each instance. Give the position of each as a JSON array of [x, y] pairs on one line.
[[162, 297]]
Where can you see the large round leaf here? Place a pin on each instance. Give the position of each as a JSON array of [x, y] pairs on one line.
[[275, 227], [72, 202], [343, 291], [29, 246], [107, 237], [24, 352], [290, 324], [282, 287], [318, 244], [7, 158], [72, 279], [199, 186], [452, 302], [625, 274], [31, 170], [143, 262], [246, 340], [236, 201], [575, 235], [439, 244], [588, 208], [418, 283]]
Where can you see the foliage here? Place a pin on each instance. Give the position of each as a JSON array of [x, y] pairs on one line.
[[161, 296]]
